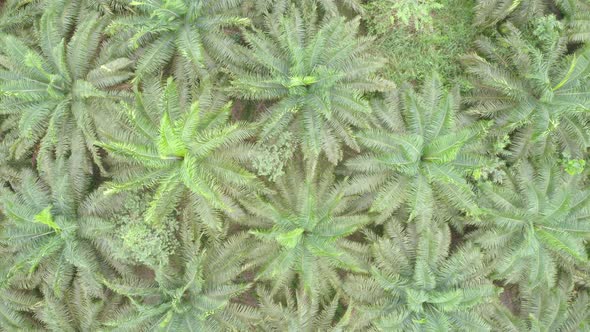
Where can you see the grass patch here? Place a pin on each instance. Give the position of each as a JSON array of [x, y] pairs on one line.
[[423, 44]]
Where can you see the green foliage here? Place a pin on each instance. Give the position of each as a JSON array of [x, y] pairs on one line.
[[413, 54], [240, 165], [417, 284], [271, 158], [416, 14], [172, 149], [145, 243], [316, 75], [417, 155], [302, 231], [573, 166], [533, 90], [192, 29], [58, 86], [535, 224]]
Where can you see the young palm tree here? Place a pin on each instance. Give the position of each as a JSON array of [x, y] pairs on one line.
[[328, 7], [192, 293], [76, 310], [297, 311], [55, 232], [58, 90], [520, 13], [535, 224], [576, 20], [315, 75], [166, 144], [533, 91], [302, 230], [192, 29], [562, 308], [418, 154], [9, 167], [417, 284], [16, 307], [19, 17]]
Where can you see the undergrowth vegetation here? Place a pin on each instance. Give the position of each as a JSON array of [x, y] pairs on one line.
[[294, 165]]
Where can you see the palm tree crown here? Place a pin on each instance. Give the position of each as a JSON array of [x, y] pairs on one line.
[[192, 29], [173, 149], [533, 91], [60, 86], [542, 216], [417, 284], [303, 229], [316, 76], [418, 154]]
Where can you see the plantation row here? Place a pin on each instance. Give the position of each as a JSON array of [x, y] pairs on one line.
[[240, 165]]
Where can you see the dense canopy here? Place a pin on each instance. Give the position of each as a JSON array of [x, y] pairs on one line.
[[295, 165]]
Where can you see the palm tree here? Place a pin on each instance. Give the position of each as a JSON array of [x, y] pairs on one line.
[[191, 293], [57, 91], [192, 29], [533, 91], [418, 154], [315, 75], [297, 311], [417, 284], [56, 232], [535, 223], [174, 144], [302, 230], [563, 308]]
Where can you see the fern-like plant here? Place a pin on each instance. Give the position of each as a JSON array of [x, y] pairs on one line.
[[522, 12], [191, 293], [76, 310], [297, 311], [417, 284], [58, 89], [315, 75], [533, 90], [19, 16], [192, 29], [328, 7], [561, 309], [55, 232], [535, 224], [16, 307], [172, 144], [418, 154], [302, 231]]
